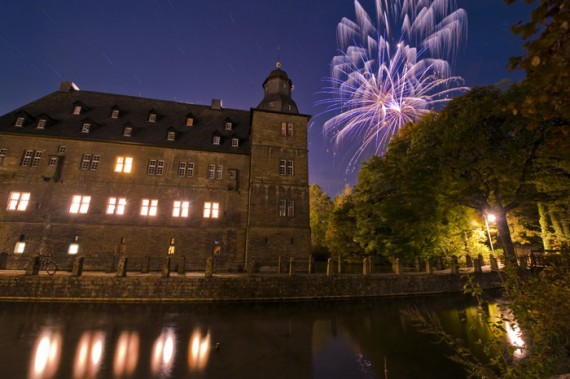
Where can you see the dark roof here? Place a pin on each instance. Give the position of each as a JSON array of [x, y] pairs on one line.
[[134, 112]]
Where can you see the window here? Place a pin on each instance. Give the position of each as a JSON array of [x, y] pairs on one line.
[[211, 210], [229, 125], [290, 129], [18, 201], [37, 158], [283, 129], [219, 171], [128, 131], [216, 140], [189, 121], [211, 171], [235, 142], [149, 207], [186, 169], [152, 117], [181, 209], [290, 170], [282, 208], [233, 173], [86, 128], [155, 167], [77, 109], [2, 156], [282, 167], [52, 161], [42, 123], [61, 149], [286, 208], [115, 113], [79, 204], [290, 208], [171, 136], [27, 158], [19, 122], [20, 247], [116, 206], [90, 162], [124, 164]]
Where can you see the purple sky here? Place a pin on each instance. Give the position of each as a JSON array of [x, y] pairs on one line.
[[197, 50]]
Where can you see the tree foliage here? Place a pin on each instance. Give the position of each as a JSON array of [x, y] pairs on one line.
[[341, 232], [320, 208]]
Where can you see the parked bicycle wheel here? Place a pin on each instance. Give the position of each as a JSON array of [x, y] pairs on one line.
[[51, 267]]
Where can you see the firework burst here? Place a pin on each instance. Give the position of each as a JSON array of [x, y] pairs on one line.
[[391, 74]]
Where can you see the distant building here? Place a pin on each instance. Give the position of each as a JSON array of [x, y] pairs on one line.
[[100, 174]]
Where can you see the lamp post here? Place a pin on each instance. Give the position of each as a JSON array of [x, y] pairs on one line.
[[489, 217]]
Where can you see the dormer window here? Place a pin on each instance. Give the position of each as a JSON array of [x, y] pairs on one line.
[[42, 123], [216, 140], [171, 136], [229, 124], [19, 122], [115, 113], [235, 142], [77, 109], [152, 117], [128, 131], [86, 128], [189, 120]]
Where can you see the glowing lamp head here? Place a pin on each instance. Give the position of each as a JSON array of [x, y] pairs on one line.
[[491, 217]]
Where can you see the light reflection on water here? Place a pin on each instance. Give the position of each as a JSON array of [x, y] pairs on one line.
[[327, 340]]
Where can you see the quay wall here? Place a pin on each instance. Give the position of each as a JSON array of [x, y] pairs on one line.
[[230, 288]]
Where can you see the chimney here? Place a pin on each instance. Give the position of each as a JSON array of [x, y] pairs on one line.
[[216, 104], [66, 86]]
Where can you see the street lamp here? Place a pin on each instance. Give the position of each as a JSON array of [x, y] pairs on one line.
[[489, 217]]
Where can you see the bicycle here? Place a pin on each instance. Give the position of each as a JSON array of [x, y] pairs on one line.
[[47, 263]]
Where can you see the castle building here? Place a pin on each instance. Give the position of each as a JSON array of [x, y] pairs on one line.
[[100, 175]]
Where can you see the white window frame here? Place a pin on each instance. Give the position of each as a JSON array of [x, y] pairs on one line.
[[52, 162], [20, 122], [219, 172], [282, 167], [128, 131], [37, 158], [27, 158], [229, 125], [85, 162], [159, 167], [18, 201], [235, 142], [151, 167], [282, 208], [116, 205], [152, 117], [42, 123], [290, 209], [290, 168], [61, 149], [216, 140], [79, 204], [86, 128], [211, 171], [123, 164], [171, 136], [115, 113], [181, 208], [211, 210], [149, 207]]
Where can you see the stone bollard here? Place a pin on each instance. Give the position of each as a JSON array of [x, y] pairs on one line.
[[330, 267], [439, 263], [291, 266], [122, 267], [454, 266], [365, 266], [477, 266], [311, 265], [182, 265], [468, 261], [209, 267], [250, 266], [166, 268], [418, 264], [340, 265], [429, 267], [522, 262], [494, 263], [145, 265], [34, 266], [77, 269], [397, 266], [481, 260], [279, 264]]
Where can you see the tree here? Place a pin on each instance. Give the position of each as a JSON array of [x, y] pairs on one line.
[[320, 209], [341, 232]]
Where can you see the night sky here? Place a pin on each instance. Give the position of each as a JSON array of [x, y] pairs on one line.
[[197, 50]]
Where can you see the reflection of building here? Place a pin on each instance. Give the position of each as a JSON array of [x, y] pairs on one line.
[[96, 169]]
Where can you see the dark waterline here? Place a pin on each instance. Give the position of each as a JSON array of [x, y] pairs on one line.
[[296, 340]]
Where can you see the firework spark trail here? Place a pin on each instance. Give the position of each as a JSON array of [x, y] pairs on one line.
[[391, 74]]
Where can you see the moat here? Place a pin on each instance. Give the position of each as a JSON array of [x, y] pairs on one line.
[[351, 339]]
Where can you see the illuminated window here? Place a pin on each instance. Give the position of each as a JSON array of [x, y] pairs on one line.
[[290, 170], [19, 122], [79, 204], [52, 161], [235, 142], [86, 128], [77, 109], [124, 164], [73, 248], [216, 140], [2, 156], [42, 123], [189, 121], [149, 207], [61, 149], [181, 209], [283, 129], [116, 206], [290, 208], [171, 136], [27, 158], [152, 117], [211, 210], [282, 208], [282, 167], [128, 131], [37, 158], [115, 113], [18, 201], [20, 247]]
